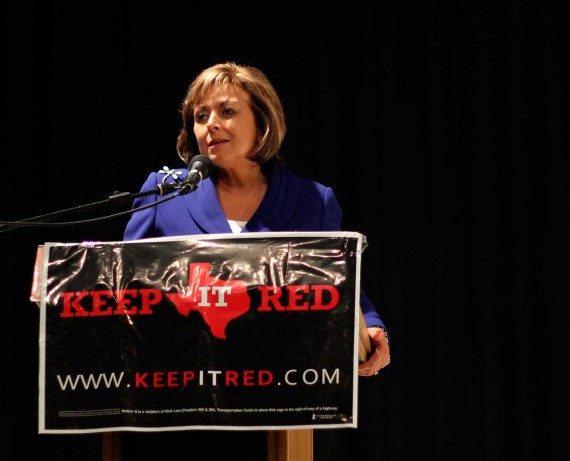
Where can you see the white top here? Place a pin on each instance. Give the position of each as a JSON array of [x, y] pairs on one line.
[[236, 226]]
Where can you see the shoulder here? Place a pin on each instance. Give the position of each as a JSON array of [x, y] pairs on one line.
[[305, 184], [308, 193]]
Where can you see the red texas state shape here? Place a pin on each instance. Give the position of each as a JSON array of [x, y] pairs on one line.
[[218, 301]]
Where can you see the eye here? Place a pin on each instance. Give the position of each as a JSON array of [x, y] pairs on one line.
[[228, 112], [200, 117]]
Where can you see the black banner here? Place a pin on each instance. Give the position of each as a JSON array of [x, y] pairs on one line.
[[242, 332]]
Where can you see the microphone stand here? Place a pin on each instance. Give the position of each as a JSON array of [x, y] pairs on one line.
[[199, 168], [114, 200]]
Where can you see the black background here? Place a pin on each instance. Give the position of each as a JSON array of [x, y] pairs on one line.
[[441, 126]]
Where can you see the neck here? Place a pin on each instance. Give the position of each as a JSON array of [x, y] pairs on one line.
[[240, 195], [240, 179]]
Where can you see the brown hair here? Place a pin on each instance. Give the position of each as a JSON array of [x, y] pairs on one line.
[[265, 104]]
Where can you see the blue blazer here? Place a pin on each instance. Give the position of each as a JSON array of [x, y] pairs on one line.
[[290, 204]]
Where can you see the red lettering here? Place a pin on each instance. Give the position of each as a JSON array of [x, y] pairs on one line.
[[172, 379], [265, 377], [248, 376], [319, 305], [124, 299], [188, 376], [268, 295], [296, 294], [232, 378], [161, 379], [100, 301], [298, 298], [157, 379], [72, 301], [140, 379], [150, 297]]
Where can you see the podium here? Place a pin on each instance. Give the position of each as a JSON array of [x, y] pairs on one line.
[[291, 445], [115, 294], [288, 445]]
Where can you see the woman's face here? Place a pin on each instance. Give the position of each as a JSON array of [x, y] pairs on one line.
[[224, 126]]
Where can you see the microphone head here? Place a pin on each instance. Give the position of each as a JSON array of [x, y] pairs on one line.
[[201, 164], [199, 168]]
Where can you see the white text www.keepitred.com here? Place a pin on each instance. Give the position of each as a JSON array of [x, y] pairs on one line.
[[175, 379]]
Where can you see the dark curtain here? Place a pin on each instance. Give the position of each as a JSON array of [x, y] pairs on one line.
[[441, 126]]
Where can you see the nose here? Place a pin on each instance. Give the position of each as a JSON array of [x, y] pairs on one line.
[[213, 122]]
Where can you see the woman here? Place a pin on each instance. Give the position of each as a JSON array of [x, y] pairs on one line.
[[233, 115]]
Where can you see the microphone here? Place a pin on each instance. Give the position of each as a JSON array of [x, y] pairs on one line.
[[200, 167]]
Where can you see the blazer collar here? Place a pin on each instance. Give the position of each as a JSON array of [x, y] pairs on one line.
[[275, 211]]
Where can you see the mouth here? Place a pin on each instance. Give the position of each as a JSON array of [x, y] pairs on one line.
[[215, 142]]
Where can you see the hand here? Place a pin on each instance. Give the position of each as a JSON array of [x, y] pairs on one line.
[[380, 356]]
